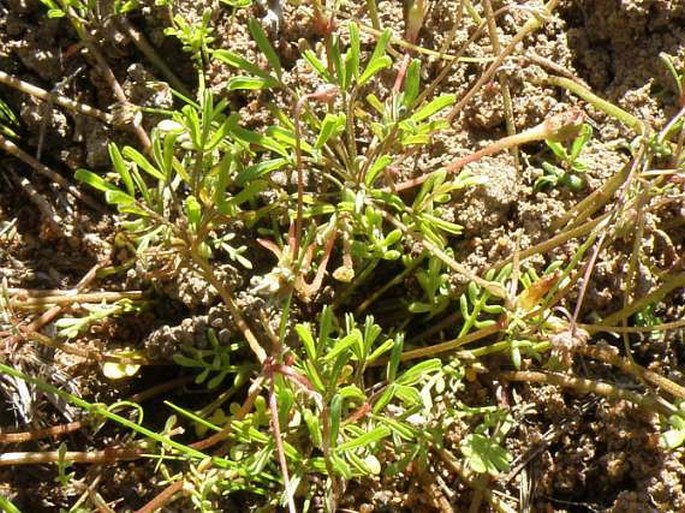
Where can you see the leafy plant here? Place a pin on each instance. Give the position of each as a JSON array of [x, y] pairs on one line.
[[570, 168], [71, 327], [674, 436], [482, 448], [215, 360]]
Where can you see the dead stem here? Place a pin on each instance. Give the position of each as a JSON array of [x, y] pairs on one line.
[[559, 127], [55, 98], [151, 54], [587, 386], [107, 72], [15, 151], [163, 498], [64, 429], [52, 432], [605, 328], [502, 78], [82, 285], [444, 347], [45, 208], [671, 282], [609, 108], [534, 23], [593, 202], [467, 477], [77, 350], [609, 355], [111, 455], [23, 299]]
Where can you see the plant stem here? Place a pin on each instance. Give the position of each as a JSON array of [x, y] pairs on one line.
[[609, 355], [587, 386], [534, 23], [373, 14], [234, 310], [560, 127], [15, 151], [28, 301], [493, 287], [55, 98], [603, 105], [504, 83], [671, 282]]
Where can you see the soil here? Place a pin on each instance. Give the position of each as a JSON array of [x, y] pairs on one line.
[[580, 452]]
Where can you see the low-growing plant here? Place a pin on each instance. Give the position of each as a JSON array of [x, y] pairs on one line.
[[570, 166]]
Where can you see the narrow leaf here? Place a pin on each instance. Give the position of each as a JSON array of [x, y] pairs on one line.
[[263, 43], [433, 107], [260, 169], [368, 438], [374, 67]]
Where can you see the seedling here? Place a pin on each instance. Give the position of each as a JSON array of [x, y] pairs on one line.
[[570, 166], [678, 76]]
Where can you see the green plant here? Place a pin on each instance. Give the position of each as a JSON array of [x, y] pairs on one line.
[[570, 166], [215, 359], [678, 76], [674, 436], [482, 448], [71, 327]]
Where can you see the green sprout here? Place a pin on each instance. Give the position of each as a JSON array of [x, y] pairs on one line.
[[570, 166]]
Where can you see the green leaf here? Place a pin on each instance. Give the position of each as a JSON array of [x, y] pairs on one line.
[[352, 392], [341, 467], [313, 423], [352, 55], [371, 437], [119, 198], [116, 371], [304, 332], [433, 107], [408, 395], [395, 357], [258, 170], [400, 429], [336, 59], [580, 142], [285, 136], [374, 67], [193, 211], [248, 83], [143, 163], [317, 65], [334, 415], [233, 59], [418, 371], [443, 225], [378, 53], [411, 83], [121, 167], [485, 455], [375, 103], [313, 375], [380, 350], [331, 126], [378, 165], [95, 181], [263, 43], [325, 324], [254, 137], [347, 342]]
